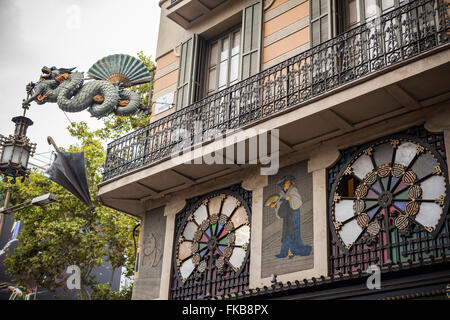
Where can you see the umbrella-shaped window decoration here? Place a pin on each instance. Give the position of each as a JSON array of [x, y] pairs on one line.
[[395, 183], [69, 171]]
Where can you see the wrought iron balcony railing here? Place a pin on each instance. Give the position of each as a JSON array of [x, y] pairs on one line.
[[414, 28]]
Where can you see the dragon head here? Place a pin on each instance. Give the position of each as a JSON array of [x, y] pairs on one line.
[[51, 77], [53, 72], [46, 73]]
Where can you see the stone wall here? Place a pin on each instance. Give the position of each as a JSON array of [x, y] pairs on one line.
[[147, 284]]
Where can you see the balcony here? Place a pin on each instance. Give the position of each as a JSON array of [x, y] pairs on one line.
[[186, 12], [400, 39]]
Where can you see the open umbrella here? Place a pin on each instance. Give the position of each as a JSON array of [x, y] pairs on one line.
[[69, 171]]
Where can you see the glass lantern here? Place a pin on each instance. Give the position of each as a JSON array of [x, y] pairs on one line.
[[16, 150]]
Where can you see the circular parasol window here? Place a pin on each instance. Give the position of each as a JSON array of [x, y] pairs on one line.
[[214, 238], [400, 178]]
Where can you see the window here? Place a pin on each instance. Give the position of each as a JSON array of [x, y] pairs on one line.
[[365, 10], [332, 17], [223, 61], [389, 201], [206, 68], [352, 12], [212, 243], [320, 21]]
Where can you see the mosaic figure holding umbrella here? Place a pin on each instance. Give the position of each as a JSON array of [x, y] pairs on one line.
[[287, 207]]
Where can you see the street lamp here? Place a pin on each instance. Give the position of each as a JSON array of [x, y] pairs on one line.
[[16, 151], [38, 202]]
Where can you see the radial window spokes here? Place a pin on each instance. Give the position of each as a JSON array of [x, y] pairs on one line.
[[398, 179], [217, 232]]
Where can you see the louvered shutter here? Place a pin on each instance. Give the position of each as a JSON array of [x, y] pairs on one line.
[[251, 40], [187, 73]]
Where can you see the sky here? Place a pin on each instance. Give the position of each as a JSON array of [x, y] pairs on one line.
[[65, 34]]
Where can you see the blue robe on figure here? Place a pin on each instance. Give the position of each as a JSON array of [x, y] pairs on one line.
[[289, 210]]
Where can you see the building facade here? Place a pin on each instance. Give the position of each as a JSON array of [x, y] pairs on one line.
[[296, 148]]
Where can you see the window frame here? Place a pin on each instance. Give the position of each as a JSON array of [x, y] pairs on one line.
[[210, 286], [343, 260], [330, 24], [338, 16], [218, 40], [361, 11]]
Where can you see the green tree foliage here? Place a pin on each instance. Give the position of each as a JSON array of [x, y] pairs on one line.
[[66, 232]]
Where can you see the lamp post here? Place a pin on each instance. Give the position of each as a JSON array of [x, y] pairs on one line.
[[16, 150], [2, 217]]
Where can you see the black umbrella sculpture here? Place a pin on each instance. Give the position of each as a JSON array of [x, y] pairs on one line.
[[69, 171]]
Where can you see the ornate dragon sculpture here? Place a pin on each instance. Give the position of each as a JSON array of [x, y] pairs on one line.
[[103, 95]]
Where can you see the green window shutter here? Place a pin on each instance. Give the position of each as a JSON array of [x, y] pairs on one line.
[[341, 17], [251, 40], [320, 18], [200, 67], [187, 86]]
